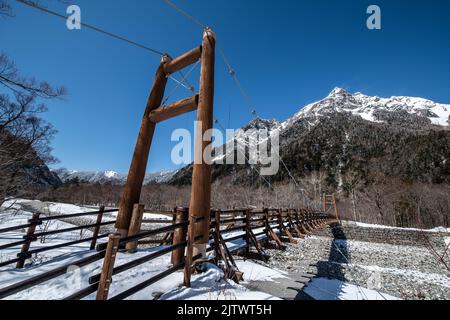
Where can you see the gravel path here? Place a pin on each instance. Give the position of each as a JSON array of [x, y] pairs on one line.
[[407, 272]]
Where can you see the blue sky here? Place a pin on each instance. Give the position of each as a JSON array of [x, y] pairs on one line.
[[287, 53]]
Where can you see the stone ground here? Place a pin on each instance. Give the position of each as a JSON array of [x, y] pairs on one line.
[[403, 271]]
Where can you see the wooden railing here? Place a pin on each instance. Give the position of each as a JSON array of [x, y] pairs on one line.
[[32, 236], [234, 231]]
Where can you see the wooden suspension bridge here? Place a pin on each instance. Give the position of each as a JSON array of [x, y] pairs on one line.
[[197, 234]]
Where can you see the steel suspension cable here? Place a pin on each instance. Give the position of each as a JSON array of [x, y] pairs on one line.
[[92, 27]]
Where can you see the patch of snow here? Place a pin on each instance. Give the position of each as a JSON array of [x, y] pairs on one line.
[[379, 226], [332, 289], [110, 174], [256, 272], [447, 241], [211, 285]]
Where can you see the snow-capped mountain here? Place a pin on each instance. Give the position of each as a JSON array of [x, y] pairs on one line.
[[110, 176], [405, 137], [375, 108], [411, 111], [401, 110]]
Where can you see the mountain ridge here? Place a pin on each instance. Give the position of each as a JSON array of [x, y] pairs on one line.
[[345, 132], [109, 176]]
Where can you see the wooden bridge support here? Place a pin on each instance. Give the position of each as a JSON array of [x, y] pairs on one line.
[[179, 235], [200, 204], [329, 201], [136, 174], [135, 226], [154, 113]]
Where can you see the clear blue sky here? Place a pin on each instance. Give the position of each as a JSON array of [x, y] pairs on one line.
[[286, 54]]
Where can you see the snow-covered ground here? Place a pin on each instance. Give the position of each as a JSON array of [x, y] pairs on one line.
[[209, 285], [212, 283], [17, 213], [332, 289], [379, 226]]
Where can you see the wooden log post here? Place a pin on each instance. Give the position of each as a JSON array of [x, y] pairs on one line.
[[266, 222], [200, 204], [135, 226], [136, 174], [304, 222], [217, 241], [324, 200], [97, 227], [293, 225], [179, 235], [108, 267], [335, 208], [23, 255], [248, 228]]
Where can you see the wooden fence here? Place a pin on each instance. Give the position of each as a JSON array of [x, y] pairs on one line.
[[32, 236], [232, 232]]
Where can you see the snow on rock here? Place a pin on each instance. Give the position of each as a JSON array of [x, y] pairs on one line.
[[421, 277], [447, 241], [379, 226], [64, 208], [212, 285], [332, 289]]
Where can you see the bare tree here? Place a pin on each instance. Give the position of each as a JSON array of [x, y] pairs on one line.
[[24, 135]]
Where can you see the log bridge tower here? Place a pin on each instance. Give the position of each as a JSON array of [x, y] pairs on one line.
[[200, 201]]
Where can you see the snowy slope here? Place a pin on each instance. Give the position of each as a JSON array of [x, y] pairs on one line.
[[367, 107], [110, 176], [210, 285]]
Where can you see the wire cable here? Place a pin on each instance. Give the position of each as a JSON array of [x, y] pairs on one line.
[[180, 83], [184, 13], [92, 27]]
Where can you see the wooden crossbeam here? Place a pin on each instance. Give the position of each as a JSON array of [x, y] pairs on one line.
[[174, 109], [183, 61]]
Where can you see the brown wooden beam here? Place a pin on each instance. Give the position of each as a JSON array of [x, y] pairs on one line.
[[200, 204], [136, 174], [174, 109], [183, 61]]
